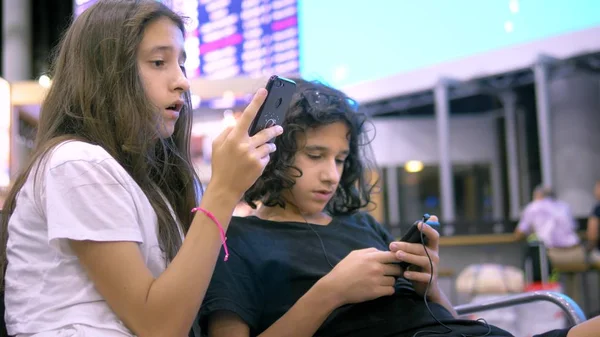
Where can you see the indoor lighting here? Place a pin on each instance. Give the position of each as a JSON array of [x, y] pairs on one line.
[[196, 100], [508, 26], [228, 95], [413, 166], [340, 73], [513, 6], [45, 81], [228, 118]]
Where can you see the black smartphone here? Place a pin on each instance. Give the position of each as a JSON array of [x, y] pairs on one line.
[[413, 235], [273, 110]]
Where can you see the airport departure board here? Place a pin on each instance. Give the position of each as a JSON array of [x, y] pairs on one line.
[[229, 38], [247, 37]]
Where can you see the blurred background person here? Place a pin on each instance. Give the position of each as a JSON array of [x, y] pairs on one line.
[[553, 224]]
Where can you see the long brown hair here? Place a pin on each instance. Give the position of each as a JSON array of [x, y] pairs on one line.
[[97, 96]]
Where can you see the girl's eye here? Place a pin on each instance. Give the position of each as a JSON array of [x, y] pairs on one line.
[[312, 156], [158, 63]]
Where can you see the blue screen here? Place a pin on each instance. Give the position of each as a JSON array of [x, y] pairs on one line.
[[346, 42]]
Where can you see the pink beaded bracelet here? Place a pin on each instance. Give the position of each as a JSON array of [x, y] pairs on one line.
[[221, 231]]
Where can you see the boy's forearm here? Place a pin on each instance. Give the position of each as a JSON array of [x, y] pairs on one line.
[[306, 316]]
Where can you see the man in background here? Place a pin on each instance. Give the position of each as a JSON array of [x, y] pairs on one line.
[[550, 219], [553, 224]]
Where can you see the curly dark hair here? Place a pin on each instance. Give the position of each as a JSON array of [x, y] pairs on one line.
[[314, 105]]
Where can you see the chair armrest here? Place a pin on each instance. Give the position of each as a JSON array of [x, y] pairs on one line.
[[574, 313]]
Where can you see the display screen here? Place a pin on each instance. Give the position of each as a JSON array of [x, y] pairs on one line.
[[248, 37], [229, 38], [346, 44]]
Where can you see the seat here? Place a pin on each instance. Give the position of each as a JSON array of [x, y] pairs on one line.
[[571, 263]]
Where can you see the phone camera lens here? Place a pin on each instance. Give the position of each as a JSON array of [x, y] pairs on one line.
[[270, 123], [279, 83]]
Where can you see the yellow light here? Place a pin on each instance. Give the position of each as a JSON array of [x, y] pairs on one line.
[[413, 166], [228, 95], [45, 81]]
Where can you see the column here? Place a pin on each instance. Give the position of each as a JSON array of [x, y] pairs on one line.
[[411, 196], [442, 117], [16, 66], [393, 204], [509, 102], [16, 39], [496, 179], [575, 124], [524, 175], [541, 75]]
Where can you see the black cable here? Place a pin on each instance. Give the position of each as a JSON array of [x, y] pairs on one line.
[[427, 304], [317, 234], [320, 240]]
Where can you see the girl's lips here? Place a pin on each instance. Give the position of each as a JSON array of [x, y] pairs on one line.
[[322, 195]]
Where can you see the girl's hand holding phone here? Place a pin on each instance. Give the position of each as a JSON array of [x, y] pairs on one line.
[[239, 159]]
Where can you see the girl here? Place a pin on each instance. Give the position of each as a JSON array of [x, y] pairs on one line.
[[308, 262], [94, 232]]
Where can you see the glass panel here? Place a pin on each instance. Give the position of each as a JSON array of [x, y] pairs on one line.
[[419, 193]]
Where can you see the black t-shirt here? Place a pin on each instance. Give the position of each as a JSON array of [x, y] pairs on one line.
[[596, 213], [272, 264]]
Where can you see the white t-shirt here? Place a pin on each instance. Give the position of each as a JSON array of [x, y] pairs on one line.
[[81, 193], [552, 222]]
